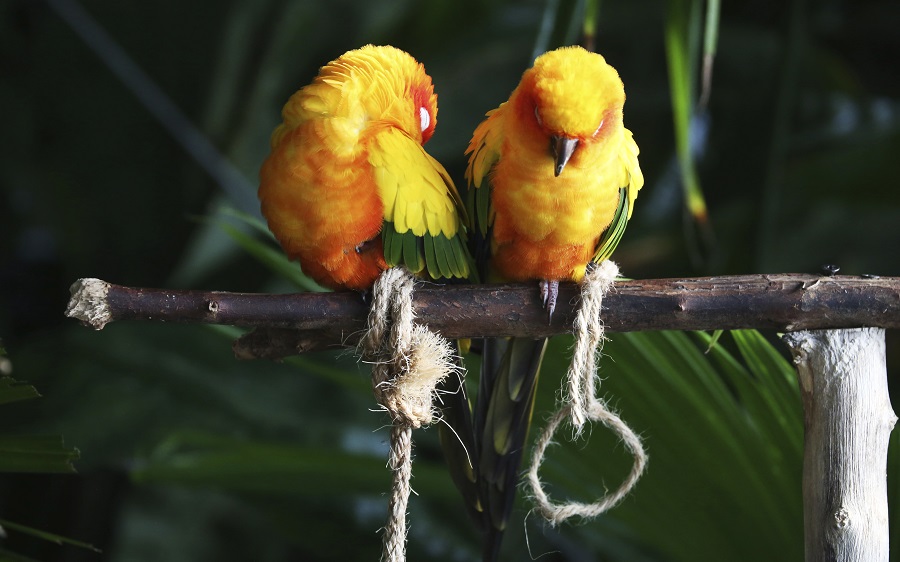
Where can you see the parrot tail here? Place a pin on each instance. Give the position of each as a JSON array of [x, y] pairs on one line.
[[484, 448], [509, 378]]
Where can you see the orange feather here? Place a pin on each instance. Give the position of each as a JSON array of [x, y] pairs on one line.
[[348, 159]]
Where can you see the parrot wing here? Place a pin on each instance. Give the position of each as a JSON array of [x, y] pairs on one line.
[[631, 180], [423, 213], [484, 152], [613, 233]]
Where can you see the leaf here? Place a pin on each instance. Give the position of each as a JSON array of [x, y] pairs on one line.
[[36, 453], [251, 220], [313, 364], [275, 469], [723, 439], [12, 390], [681, 33], [44, 535], [272, 258], [714, 339], [710, 40]]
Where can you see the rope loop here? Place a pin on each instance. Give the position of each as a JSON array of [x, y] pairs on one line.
[[579, 405]]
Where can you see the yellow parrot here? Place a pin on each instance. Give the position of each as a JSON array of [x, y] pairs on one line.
[[348, 189], [553, 175]]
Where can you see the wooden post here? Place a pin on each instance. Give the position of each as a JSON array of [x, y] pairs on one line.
[[848, 421]]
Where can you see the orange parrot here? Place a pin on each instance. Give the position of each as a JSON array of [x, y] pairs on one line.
[[553, 175], [348, 189]]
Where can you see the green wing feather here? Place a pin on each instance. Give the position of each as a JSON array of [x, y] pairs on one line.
[[451, 257], [412, 256], [439, 256], [393, 244], [430, 260], [613, 233], [387, 239], [460, 255], [478, 206]]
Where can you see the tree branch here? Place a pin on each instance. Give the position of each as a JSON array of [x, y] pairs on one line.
[[288, 324]]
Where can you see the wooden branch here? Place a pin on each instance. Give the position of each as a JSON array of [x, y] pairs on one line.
[[296, 323], [848, 421]]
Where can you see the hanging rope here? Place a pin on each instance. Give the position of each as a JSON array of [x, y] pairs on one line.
[[408, 361], [581, 404]]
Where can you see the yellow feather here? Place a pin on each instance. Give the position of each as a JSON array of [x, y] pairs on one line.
[[416, 184]]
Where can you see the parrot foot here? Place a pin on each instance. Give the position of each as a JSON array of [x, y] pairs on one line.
[[549, 294]]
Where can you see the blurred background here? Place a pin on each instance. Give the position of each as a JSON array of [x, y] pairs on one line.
[[132, 131]]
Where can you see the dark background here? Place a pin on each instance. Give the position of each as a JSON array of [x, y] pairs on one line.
[[800, 168]]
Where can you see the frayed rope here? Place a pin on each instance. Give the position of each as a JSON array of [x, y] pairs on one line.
[[408, 362], [581, 404]]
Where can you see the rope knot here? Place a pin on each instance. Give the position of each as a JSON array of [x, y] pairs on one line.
[[408, 362]]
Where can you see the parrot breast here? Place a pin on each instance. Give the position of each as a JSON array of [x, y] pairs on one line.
[[547, 227], [323, 206]]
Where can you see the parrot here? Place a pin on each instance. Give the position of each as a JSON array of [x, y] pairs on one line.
[[553, 175], [348, 189]]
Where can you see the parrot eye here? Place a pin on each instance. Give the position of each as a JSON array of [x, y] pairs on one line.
[[424, 118], [600, 126], [538, 116]]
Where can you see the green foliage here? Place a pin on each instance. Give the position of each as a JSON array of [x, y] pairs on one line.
[[268, 254], [724, 435], [802, 142], [12, 390], [30, 453], [35, 453], [43, 535], [682, 23]]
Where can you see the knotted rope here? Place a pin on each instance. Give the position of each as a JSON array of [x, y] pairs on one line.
[[408, 361], [580, 404]]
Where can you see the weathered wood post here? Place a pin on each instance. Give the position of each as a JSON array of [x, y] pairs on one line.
[[848, 421]]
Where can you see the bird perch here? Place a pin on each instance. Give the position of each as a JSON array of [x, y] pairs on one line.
[[836, 333], [288, 324]]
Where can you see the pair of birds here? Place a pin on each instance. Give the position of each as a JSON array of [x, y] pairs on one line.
[[348, 190]]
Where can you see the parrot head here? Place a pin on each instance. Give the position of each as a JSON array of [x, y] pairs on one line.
[[403, 98], [569, 98]]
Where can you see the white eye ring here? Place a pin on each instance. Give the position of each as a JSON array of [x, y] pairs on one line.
[[600, 126], [538, 116], [424, 118]]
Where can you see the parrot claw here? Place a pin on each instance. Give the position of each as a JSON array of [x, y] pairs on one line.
[[549, 294]]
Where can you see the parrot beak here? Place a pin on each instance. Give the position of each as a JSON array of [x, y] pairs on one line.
[[563, 148]]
